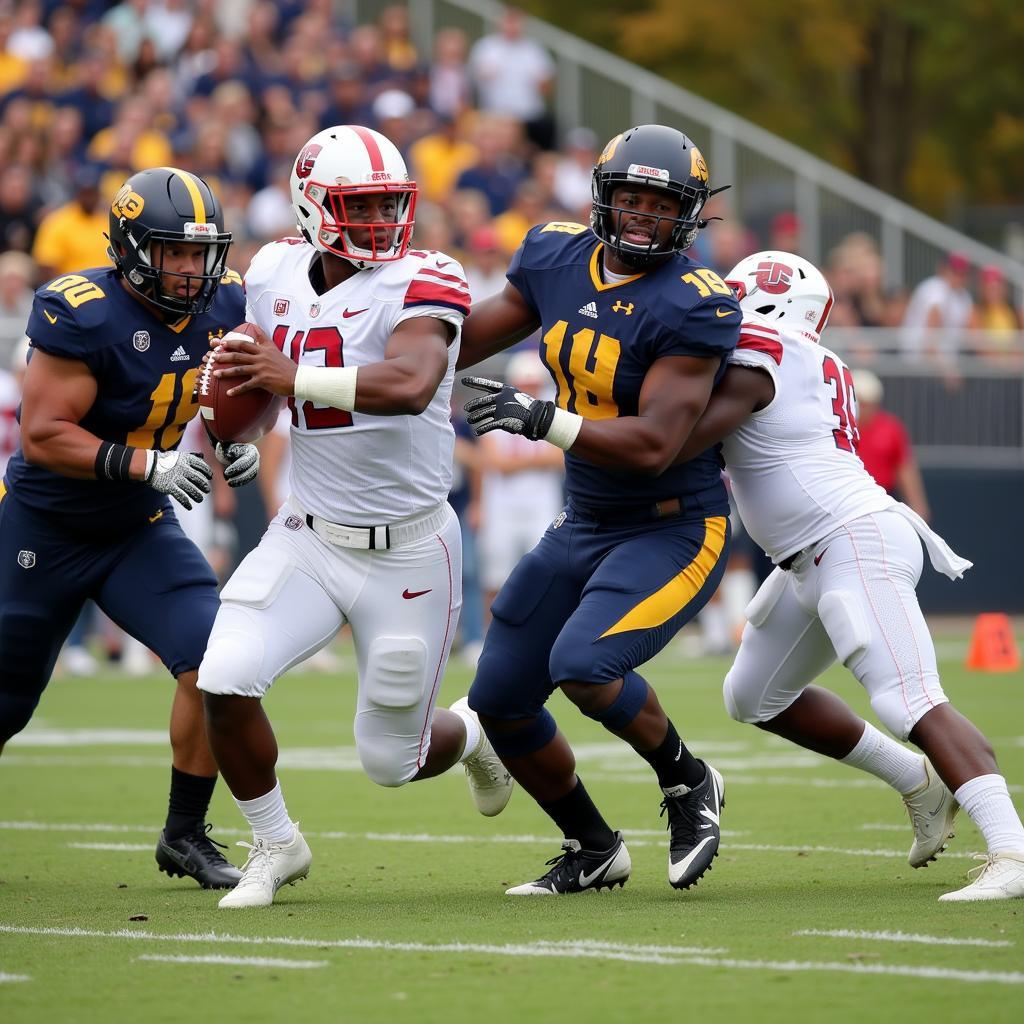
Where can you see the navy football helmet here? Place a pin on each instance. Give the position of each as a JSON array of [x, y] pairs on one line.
[[653, 156], [163, 205]]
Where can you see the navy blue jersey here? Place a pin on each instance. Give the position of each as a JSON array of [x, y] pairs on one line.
[[145, 371], [599, 340]]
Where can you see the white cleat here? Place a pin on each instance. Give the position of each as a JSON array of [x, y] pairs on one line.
[[490, 783], [268, 867], [932, 808], [1001, 877]]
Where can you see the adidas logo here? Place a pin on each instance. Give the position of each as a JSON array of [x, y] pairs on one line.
[[590, 309], [179, 354]]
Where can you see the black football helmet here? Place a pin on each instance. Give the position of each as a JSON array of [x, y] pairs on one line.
[[164, 204], [654, 156]]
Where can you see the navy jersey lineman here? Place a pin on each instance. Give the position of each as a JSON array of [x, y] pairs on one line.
[[84, 505], [635, 335]]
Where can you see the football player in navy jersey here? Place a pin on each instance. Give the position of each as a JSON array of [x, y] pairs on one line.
[[635, 335], [84, 506]]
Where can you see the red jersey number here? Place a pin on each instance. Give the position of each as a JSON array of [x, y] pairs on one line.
[[319, 339], [846, 436]]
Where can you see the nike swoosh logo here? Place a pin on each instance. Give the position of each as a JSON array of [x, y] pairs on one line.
[[586, 879], [724, 312], [410, 594], [818, 558], [676, 871], [52, 319], [441, 266], [346, 313], [709, 814]]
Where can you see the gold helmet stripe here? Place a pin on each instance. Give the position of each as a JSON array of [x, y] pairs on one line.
[[198, 206]]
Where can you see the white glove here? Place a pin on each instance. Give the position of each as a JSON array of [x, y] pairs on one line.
[[242, 462], [182, 475]]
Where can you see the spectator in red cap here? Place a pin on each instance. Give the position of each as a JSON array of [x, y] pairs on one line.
[[939, 308], [785, 232], [884, 445], [485, 263]]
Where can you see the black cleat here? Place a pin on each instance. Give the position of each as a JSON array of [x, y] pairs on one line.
[[579, 870], [196, 855], [693, 822]]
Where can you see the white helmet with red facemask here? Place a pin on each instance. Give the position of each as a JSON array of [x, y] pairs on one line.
[[783, 288], [336, 167]]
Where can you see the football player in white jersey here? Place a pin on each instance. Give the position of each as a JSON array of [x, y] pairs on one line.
[[848, 559], [362, 333]]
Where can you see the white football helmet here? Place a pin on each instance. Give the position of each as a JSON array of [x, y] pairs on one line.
[[781, 286], [338, 164]]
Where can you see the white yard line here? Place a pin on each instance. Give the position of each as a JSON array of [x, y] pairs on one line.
[[234, 961], [114, 847], [13, 977], [925, 940], [431, 837], [579, 949]]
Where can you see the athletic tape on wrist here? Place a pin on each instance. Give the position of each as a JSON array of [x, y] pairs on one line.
[[327, 385], [564, 429]]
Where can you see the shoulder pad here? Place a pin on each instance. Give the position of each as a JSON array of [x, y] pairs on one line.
[[437, 280], [80, 294], [567, 227], [231, 277]]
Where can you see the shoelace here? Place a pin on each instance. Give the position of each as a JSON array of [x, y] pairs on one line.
[[684, 811], [975, 873], [203, 839], [259, 860]]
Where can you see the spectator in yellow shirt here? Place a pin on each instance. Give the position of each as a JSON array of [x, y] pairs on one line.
[[439, 158], [72, 236]]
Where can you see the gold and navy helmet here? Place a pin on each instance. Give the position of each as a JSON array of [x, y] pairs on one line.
[[652, 156], [159, 206]]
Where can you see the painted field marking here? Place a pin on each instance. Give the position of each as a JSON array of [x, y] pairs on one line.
[[429, 837], [234, 961], [585, 949], [114, 847], [926, 940], [882, 826], [13, 977]]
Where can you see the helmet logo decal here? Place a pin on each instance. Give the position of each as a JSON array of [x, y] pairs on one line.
[[609, 151], [642, 171], [698, 168], [307, 157], [773, 277], [127, 203]]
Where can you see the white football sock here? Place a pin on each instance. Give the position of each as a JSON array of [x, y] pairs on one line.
[[268, 817], [887, 760], [714, 627], [987, 802], [738, 589], [473, 731]]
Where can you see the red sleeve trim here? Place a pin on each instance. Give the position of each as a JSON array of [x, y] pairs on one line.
[[761, 343]]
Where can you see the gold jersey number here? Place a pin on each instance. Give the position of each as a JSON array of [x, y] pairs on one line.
[[593, 358]]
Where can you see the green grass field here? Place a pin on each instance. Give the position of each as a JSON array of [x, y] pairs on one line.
[[810, 914]]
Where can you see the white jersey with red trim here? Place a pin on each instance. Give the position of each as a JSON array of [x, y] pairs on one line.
[[356, 468], [793, 465]]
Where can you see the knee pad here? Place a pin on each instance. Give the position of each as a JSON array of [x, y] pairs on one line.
[[534, 733], [626, 706], [767, 597], [233, 664], [843, 616], [385, 764], [258, 580], [396, 669]]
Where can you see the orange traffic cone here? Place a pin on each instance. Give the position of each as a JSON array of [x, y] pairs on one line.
[[992, 646]]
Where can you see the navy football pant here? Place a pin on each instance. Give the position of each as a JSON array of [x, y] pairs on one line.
[[590, 603], [153, 582]]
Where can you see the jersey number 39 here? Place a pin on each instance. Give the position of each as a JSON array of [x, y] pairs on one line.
[[846, 435]]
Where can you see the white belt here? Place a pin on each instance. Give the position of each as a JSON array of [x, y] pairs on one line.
[[374, 538]]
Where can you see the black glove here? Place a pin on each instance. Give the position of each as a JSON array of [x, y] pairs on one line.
[[504, 408], [242, 462], [182, 475]]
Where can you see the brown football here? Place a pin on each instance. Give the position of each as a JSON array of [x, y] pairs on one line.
[[236, 418]]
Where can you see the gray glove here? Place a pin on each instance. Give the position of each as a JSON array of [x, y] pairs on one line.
[[182, 475], [504, 407], [242, 462]]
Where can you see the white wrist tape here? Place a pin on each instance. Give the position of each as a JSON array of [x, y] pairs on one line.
[[151, 455], [327, 385], [564, 429]]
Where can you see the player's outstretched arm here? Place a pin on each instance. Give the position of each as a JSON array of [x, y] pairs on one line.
[[674, 394], [495, 324], [741, 391]]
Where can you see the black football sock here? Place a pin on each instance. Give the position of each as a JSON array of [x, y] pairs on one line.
[[189, 802], [578, 818], [673, 763]]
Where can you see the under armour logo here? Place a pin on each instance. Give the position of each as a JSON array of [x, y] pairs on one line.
[[623, 307]]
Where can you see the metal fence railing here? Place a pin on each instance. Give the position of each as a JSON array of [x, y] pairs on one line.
[[601, 91]]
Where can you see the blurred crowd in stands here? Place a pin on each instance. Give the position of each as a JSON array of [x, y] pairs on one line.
[[91, 91]]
